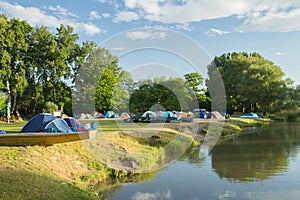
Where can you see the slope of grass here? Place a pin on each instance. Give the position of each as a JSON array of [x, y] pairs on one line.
[[71, 171], [21, 184]]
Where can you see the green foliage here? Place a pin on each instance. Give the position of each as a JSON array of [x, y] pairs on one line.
[[37, 65], [2, 100], [287, 116], [252, 83], [100, 82], [195, 83], [170, 94], [50, 107]]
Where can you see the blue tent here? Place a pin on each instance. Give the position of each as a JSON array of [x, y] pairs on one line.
[[203, 114], [250, 116], [57, 125], [110, 114], [38, 123], [168, 114]]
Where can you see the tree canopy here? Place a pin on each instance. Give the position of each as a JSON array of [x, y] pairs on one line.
[[252, 83], [36, 64]]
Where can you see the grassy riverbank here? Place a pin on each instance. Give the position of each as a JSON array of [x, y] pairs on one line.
[[71, 171]]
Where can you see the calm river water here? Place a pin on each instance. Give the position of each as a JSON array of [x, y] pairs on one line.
[[261, 165]]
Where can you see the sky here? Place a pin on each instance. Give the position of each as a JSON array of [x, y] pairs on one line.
[[160, 33]]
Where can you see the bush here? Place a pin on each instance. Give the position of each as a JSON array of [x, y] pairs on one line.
[[50, 107], [287, 115]]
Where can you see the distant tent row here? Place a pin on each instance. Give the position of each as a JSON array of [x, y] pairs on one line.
[[107, 114]]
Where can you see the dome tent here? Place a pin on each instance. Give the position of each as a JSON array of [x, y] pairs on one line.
[[168, 114], [75, 125], [57, 125], [38, 123], [45, 122]]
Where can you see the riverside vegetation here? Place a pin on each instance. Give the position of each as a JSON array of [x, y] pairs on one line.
[[70, 171]]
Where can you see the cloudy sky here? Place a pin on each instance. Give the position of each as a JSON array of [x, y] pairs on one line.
[[268, 27]]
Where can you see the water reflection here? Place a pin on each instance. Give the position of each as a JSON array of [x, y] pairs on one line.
[[255, 157], [107, 189], [267, 160]]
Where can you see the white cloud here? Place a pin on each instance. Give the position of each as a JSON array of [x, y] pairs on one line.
[[143, 35], [126, 16], [152, 196], [187, 11], [279, 53], [36, 16], [94, 15], [213, 32], [280, 20], [255, 15], [89, 28], [105, 15], [62, 11], [149, 6]]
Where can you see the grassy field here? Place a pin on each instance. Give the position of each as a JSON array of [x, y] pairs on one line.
[[73, 171], [12, 128]]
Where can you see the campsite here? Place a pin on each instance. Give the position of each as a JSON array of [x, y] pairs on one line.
[[92, 110]]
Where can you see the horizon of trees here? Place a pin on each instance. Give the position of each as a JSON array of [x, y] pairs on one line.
[[38, 66]]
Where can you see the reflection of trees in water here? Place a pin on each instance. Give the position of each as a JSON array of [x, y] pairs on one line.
[[257, 156], [192, 156], [107, 189]]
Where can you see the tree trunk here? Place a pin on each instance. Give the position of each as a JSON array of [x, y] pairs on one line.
[[8, 101], [15, 103]]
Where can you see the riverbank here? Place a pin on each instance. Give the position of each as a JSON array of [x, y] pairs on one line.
[[71, 171]]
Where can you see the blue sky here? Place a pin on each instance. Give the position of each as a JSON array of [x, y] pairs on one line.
[[268, 27]]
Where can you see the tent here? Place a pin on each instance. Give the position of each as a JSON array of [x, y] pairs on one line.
[[125, 115], [75, 125], [215, 115], [57, 125], [168, 114], [149, 114], [110, 114], [89, 116], [203, 115], [100, 115], [38, 123], [250, 116]]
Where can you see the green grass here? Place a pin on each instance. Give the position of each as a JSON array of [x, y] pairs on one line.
[[71, 171], [23, 185], [13, 127], [236, 125]]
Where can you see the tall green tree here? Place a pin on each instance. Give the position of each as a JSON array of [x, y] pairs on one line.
[[97, 81], [252, 83], [13, 48], [197, 88], [261, 86]]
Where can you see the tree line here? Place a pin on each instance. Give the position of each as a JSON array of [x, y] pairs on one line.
[[38, 66]]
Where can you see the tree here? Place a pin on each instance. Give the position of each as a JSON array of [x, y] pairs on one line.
[[195, 83], [251, 82], [124, 88], [96, 82], [52, 61], [170, 94], [261, 86], [13, 48]]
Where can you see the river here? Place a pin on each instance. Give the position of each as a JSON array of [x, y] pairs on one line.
[[262, 164]]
